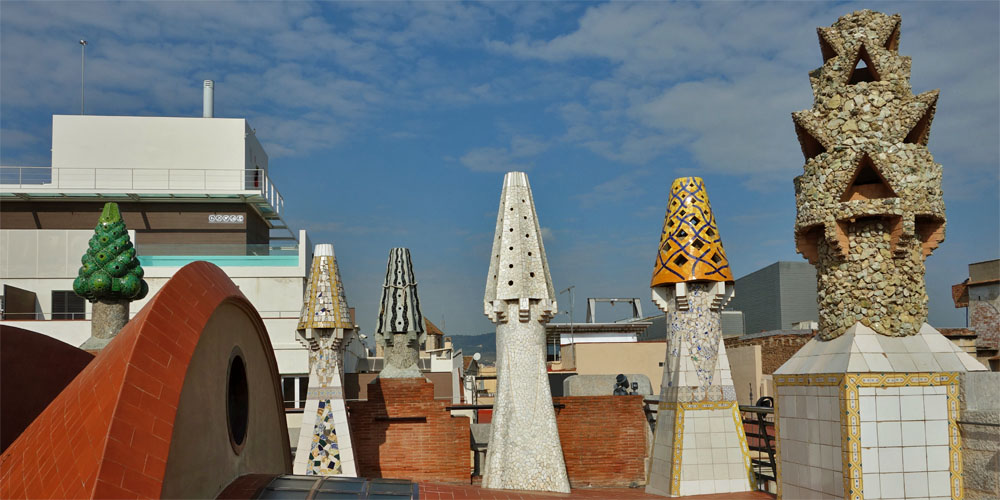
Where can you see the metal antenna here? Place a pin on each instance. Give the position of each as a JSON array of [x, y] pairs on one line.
[[570, 290], [83, 57]]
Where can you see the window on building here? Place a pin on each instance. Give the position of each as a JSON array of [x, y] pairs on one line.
[[293, 390], [553, 352], [67, 305]]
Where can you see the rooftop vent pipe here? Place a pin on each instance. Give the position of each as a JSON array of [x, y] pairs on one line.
[[208, 100]]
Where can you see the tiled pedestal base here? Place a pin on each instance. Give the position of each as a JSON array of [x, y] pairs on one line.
[[324, 447], [699, 448], [869, 436]]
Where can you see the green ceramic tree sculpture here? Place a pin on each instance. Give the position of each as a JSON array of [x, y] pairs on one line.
[[110, 277]]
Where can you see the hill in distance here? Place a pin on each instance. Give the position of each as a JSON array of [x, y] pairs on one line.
[[485, 345]]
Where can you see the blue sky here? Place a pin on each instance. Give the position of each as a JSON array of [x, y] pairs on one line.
[[391, 124]]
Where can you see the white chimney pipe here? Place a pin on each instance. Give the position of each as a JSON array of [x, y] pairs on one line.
[[208, 100]]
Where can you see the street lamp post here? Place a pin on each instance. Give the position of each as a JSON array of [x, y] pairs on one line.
[[83, 56]]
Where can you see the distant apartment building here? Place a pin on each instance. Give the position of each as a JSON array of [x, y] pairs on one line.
[[980, 294], [781, 296], [188, 189]]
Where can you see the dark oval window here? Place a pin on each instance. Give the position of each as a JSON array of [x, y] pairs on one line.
[[237, 401]]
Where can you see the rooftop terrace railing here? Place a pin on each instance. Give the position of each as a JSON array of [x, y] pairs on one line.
[[140, 180]]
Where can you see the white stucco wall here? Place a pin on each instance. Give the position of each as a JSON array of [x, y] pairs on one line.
[[147, 142]]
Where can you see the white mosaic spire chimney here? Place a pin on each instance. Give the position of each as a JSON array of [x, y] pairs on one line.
[[324, 446], [524, 452], [400, 329]]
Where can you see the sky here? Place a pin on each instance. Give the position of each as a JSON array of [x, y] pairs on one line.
[[392, 124]]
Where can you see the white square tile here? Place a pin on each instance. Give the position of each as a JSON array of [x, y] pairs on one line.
[[689, 488], [911, 391], [737, 470], [914, 459], [703, 456], [949, 362], [786, 406], [718, 439], [721, 485], [915, 484], [890, 460], [720, 470], [815, 454], [689, 472], [826, 457], [877, 362], [866, 391], [869, 461], [936, 407], [866, 408], [701, 425], [913, 433], [705, 472], [892, 485], [889, 434], [871, 486], [718, 425], [937, 432], [887, 407], [869, 435], [937, 458], [739, 484], [719, 456], [939, 483], [706, 486], [702, 441], [911, 407], [926, 362], [734, 455]]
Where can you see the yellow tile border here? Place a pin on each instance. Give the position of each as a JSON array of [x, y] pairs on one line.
[[744, 446], [675, 472], [850, 438], [777, 447], [850, 424]]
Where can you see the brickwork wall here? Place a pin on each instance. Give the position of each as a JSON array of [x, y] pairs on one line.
[[108, 434], [605, 440], [775, 350], [402, 432]]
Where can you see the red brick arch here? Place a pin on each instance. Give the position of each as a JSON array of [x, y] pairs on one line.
[[108, 434]]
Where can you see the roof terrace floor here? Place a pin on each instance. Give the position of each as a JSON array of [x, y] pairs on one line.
[[439, 491]]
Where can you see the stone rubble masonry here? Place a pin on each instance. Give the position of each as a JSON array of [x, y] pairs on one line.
[[402, 432], [981, 443], [525, 451], [775, 349], [869, 203]]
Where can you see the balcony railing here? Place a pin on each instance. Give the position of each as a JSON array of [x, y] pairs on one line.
[[140, 180], [195, 249]]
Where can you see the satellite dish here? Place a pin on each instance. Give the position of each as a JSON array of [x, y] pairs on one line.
[[476, 356]]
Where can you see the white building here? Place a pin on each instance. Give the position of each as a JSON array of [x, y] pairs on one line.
[[189, 189]]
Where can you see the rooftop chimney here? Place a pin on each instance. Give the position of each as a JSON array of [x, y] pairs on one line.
[[208, 100]]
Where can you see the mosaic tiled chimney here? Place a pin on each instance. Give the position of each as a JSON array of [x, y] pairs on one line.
[[324, 446], [524, 451], [699, 446], [400, 329], [869, 407]]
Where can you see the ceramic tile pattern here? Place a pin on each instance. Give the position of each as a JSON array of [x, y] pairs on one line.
[[690, 247], [400, 327], [324, 446], [895, 436]]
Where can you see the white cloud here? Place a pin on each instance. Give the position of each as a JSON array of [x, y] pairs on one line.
[[515, 157]]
